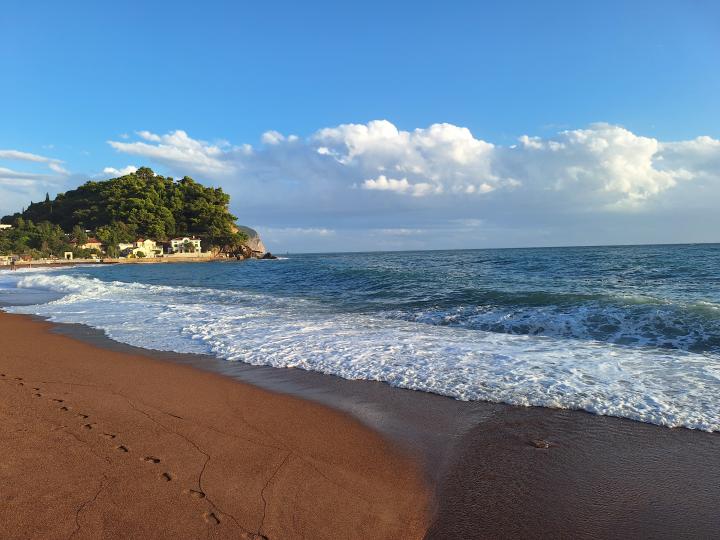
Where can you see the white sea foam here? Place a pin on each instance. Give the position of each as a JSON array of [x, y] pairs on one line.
[[661, 386]]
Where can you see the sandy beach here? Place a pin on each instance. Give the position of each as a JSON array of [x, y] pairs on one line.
[[104, 444], [104, 440]]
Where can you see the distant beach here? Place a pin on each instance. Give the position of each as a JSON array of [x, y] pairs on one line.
[[60, 263]]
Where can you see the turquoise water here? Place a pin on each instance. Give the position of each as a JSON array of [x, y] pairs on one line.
[[626, 331]]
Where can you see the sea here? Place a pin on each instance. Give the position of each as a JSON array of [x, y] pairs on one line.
[[630, 331]]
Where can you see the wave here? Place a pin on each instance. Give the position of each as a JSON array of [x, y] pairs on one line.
[[635, 321], [664, 386]]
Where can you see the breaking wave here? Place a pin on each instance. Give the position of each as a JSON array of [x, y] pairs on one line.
[[642, 359]]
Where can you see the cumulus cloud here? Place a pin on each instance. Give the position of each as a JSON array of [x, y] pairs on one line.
[[178, 150], [442, 158], [603, 165], [377, 176], [383, 183], [573, 186], [272, 137]]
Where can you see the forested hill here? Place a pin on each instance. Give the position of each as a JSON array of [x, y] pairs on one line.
[[140, 204]]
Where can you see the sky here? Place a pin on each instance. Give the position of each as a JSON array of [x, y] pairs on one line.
[[380, 125]]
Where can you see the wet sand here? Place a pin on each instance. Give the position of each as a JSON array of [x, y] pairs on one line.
[[106, 444], [598, 477]]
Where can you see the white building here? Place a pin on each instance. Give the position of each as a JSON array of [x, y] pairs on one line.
[[148, 248], [186, 244], [5, 226]]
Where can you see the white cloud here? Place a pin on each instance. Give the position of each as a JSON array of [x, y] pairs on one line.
[[284, 238], [113, 172], [17, 155], [18, 188], [177, 149], [601, 167], [438, 159], [148, 136], [602, 182], [313, 231], [272, 137], [57, 168], [24, 156], [383, 183], [356, 183], [398, 232]]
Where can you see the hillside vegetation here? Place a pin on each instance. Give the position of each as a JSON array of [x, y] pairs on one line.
[[141, 204]]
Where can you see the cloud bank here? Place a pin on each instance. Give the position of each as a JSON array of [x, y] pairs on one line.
[[365, 178], [375, 186]]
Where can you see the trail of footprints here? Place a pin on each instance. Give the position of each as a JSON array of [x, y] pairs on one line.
[[209, 517]]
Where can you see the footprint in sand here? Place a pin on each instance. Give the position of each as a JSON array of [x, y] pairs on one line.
[[56, 400], [35, 388], [151, 459], [166, 476], [88, 426], [37, 395], [109, 435], [83, 416], [211, 518], [64, 408], [122, 448], [195, 494], [18, 378]]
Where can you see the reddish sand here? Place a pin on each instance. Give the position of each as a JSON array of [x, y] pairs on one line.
[[104, 444]]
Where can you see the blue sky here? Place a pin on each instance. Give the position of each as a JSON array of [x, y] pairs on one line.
[[77, 75]]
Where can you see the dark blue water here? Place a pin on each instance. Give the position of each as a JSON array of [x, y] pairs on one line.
[[664, 296]]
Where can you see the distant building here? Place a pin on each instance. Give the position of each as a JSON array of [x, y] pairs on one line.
[[5, 226], [186, 244], [147, 247], [92, 243]]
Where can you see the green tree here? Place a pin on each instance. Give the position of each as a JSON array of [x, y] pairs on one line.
[[26, 238], [79, 235], [147, 204]]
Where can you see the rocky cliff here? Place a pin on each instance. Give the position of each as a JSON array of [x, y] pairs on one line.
[[254, 241]]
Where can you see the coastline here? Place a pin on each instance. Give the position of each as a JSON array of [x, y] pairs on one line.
[[103, 261], [599, 477], [106, 443]]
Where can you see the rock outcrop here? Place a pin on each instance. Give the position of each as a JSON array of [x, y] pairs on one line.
[[254, 247]]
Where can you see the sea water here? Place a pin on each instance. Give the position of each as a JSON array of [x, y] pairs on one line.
[[623, 331]]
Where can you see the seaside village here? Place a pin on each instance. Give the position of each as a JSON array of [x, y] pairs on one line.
[[142, 248]]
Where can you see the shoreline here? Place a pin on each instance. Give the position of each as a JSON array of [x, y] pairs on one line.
[[598, 477], [105, 443], [105, 261]]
